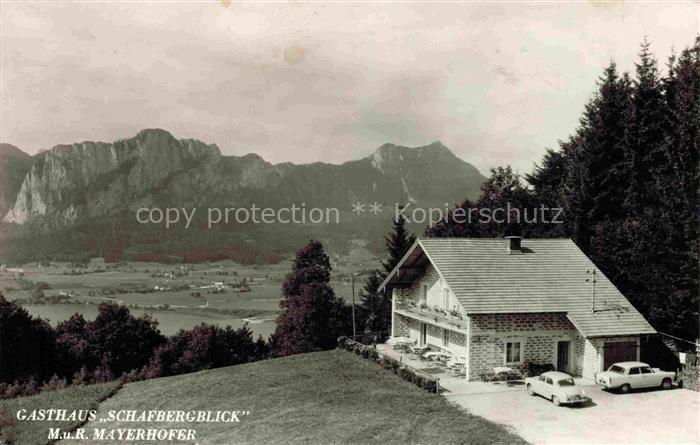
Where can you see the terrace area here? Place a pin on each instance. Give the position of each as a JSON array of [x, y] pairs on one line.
[[450, 382]]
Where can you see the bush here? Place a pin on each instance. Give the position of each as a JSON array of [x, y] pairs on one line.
[[688, 378], [54, 383], [30, 343], [401, 372], [115, 344], [374, 356], [19, 389], [430, 385], [116, 341], [205, 347], [387, 363], [13, 390], [81, 377], [102, 374], [530, 369], [342, 342]]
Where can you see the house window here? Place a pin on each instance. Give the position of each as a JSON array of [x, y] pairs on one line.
[[446, 301], [424, 294], [445, 338], [514, 352]]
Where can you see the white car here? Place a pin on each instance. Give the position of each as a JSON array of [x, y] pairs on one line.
[[631, 375], [558, 387]]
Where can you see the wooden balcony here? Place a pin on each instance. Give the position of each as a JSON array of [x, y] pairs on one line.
[[436, 316]]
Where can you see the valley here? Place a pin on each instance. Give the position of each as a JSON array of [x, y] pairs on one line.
[[178, 296]]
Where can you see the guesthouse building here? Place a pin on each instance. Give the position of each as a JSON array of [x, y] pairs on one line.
[[509, 302]]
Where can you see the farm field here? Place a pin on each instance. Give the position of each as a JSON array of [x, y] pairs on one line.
[[178, 296]]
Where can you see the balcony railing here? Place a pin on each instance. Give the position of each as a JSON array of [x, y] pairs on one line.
[[437, 314]]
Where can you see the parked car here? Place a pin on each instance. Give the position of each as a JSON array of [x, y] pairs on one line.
[[556, 386], [632, 375]]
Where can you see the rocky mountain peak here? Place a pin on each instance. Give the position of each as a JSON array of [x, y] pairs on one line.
[[389, 155], [8, 151], [93, 184], [154, 135]]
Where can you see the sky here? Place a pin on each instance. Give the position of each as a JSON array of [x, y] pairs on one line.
[[498, 83]]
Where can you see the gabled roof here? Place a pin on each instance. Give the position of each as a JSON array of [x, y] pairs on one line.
[[550, 275]]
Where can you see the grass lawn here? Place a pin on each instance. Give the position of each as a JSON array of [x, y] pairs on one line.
[[325, 397], [34, 433]]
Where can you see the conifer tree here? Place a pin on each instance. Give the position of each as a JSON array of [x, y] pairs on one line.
[[629, 183], [598, 169], [502, 190], [398, 241], [646, 132], [375, 307], [312, 316], [675, 181], [631, 187]]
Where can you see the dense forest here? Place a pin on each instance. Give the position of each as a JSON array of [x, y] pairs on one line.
[[627, 181]]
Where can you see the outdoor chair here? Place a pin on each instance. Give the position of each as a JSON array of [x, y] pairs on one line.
[[458, 370]]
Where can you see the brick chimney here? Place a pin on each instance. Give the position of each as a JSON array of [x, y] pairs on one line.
[[513, 244]]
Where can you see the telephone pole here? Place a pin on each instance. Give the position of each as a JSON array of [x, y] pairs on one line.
[[352, 281]]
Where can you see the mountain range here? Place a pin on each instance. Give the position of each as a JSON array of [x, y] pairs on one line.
[[81, 199]]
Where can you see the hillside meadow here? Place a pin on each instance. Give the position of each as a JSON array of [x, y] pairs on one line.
[[324, 397], [35, 433]]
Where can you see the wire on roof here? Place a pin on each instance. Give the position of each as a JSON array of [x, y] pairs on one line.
[[681, 339]]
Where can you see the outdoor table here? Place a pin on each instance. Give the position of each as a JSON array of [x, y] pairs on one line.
[[400, 342], [458, 368], [436, 355], [460, 361], [418, 349]]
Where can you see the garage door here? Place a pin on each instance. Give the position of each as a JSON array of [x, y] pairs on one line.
[[621, 351]]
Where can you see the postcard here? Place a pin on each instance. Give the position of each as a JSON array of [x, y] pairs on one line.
[[349, 222]]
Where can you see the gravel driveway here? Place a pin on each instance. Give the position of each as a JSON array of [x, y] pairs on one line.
[[650, 416]]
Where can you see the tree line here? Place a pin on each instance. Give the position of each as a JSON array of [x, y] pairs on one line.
[[627, 183], [115, 345]]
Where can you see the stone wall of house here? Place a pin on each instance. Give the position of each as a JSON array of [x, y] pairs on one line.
[[580, 354], [538, 334], [402, 326], [398, 328], [592, 358], [433, 336], [458, 339], [458, 343], [594, 350]]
